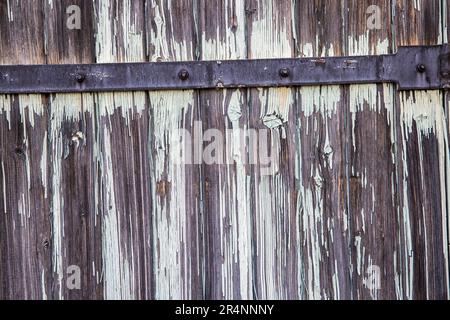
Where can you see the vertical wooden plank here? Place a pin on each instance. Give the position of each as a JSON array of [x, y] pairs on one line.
[[176, 191], [445, 36], [225, 116], [372, 205], [73, 170], [273, 194], [25, 233], [122, 156], [321, 156], [22, 42], [423, 148], [64, 42]]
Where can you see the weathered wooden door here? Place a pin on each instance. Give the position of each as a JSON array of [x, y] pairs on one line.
[[92, 205]]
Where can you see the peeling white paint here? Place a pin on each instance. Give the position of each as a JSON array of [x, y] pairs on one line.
[[129, 104], [230, 42], [366, 97], [44, 164], [363, 45], [420, 108], [270, 37], [9, 10], [442, 37], [30, 112], [336, 285], [5, 108], [64, 108], [171, 111], [108, 30], [319, 100], [30, 106], [234, 203], [316, 102], [117, 271], [236, 206], [369, 100], [5, 210], [119, 38], [276, 106], [166, 47], [422, 117], [43, 286], [417, 5]]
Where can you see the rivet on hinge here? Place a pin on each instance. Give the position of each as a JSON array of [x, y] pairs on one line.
[[284, 72], [80, 77], [421, 68], [183, 75]]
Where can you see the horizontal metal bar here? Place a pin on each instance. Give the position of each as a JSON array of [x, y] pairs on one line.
[[419, 67]]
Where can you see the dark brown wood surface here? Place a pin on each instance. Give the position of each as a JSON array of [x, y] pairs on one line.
[[357, 188], [227, 214], [73, 174], [322, 170], [178, 238], [25, 220], [372, 207], [423, 148], [270, 28]]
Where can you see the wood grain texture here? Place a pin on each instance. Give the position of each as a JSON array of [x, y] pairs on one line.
[[445, 37], [321, 155], [122, 150], [178, 238], [423, 148], [76, 220], [224, 115], [372, 183], [64, 45], [346, 178], [25, 219], [273, 194]]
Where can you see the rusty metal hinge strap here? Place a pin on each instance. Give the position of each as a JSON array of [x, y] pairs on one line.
[[411, 68]]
